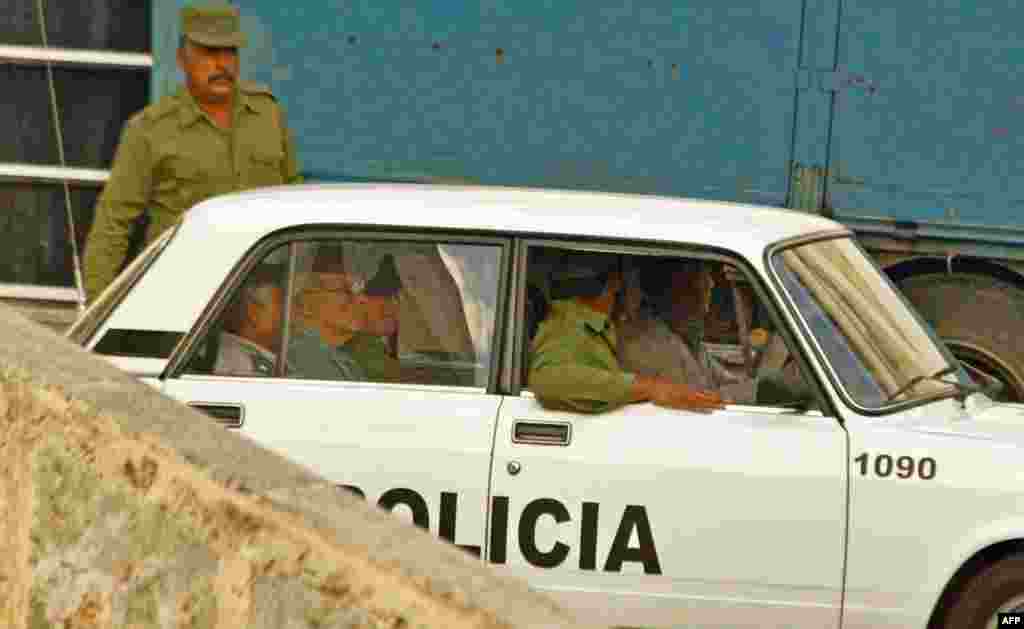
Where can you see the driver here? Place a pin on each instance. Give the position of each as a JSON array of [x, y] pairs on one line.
[[664, 337], [662, 328]]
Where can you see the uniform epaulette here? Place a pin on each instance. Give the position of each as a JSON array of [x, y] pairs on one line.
[[135, 118], [160, 109], [251, 87]]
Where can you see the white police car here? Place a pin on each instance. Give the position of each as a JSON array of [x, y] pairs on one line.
[[883, 493]]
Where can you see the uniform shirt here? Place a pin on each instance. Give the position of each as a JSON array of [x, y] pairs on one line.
[[172, 156], [371, 354], [572, 361], [241, 357], [310, 357]]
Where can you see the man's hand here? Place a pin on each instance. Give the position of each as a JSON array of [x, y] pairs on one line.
[[679, 396]]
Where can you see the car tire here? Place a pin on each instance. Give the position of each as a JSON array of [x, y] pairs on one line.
[[980, 318], [998, 587]]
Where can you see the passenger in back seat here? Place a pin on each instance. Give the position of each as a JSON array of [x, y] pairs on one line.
[[372, 344], [249, 340]]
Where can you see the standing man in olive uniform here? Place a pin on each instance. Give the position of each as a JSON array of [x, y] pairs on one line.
[[215, 135]]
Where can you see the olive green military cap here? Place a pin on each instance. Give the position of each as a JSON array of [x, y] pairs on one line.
[[213, 25]]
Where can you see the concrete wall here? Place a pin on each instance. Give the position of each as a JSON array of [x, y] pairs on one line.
[[54, 315], [122, 508]]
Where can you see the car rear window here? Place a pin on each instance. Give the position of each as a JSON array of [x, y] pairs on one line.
[[90, 321]]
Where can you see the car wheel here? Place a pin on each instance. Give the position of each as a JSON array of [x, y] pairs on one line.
[[997, 588], [980, 319]]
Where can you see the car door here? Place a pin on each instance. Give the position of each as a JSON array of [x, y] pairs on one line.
[[416, 439], [657, 517]]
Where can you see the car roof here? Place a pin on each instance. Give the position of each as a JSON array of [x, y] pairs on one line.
[[216, 234], [495, 208]]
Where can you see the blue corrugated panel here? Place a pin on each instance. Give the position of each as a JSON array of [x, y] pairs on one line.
[[703, 98], [931, 133], [691, 98]]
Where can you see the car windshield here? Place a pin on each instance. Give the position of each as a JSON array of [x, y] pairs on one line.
[[880, 350]]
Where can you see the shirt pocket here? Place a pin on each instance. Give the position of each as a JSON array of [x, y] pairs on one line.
[[264, 167], [180, 184]]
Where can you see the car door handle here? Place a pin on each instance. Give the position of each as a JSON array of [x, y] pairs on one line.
[[542, 433], [230, 415]]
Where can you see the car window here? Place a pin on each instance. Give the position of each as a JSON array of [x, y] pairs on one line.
[[384, 311], [690, 320]]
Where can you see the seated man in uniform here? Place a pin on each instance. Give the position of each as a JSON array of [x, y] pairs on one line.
[[573, 364], [372, 342], [323, 314], [344, 334], [251, 331]]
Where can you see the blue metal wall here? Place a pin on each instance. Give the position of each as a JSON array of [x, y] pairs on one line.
[[688, 98], [932, 135], [704, 98]]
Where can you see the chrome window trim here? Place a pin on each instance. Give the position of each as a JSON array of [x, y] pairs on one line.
[[833, 376], [73, 57], [38, 292]]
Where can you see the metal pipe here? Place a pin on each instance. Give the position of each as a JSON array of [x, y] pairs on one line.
[[73, 57], [38, 293], [36, 173]]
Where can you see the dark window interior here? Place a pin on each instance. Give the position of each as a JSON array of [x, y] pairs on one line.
[[138, 343]]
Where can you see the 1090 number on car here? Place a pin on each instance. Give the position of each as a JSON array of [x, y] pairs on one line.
[[886, 465]]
